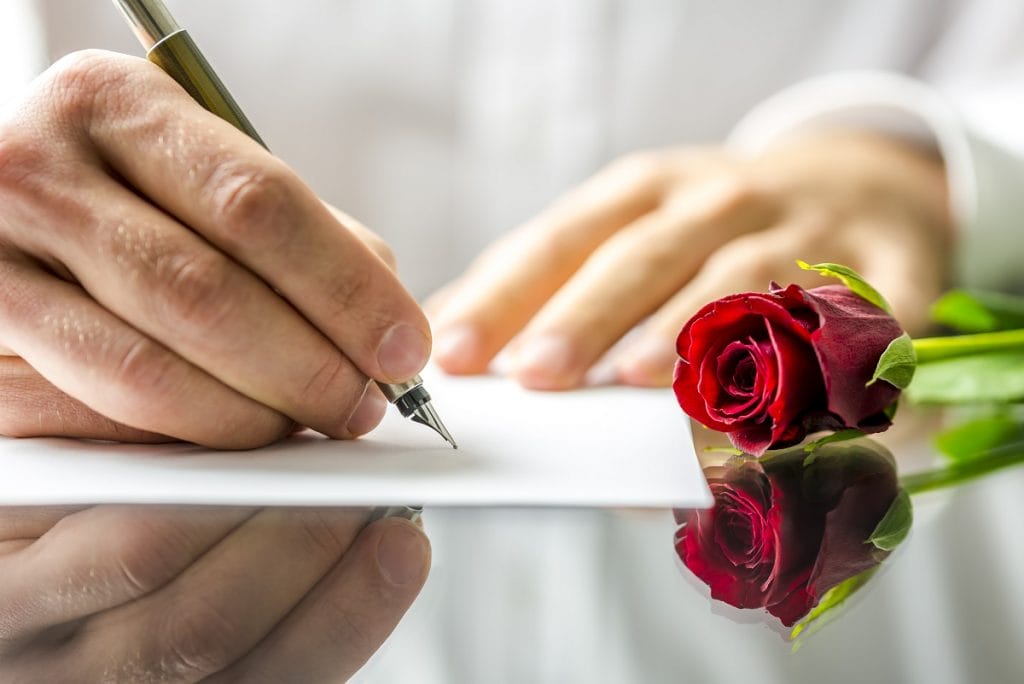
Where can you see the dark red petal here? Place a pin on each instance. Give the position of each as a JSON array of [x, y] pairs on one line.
[[797, 601], [753, 440], [845, 550], [851, 337], [800, 387]]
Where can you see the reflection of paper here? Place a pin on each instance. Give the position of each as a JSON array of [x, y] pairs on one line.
[[606, 446]]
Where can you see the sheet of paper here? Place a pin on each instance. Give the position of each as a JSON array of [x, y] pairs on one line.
[[604, 446]]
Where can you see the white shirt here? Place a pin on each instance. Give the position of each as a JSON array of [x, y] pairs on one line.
[[442, 124]]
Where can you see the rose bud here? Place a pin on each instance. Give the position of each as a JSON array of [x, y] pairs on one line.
[[787, 528], [768, 368]]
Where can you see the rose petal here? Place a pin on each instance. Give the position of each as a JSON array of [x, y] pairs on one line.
[[704, 380], [851, 337], [738, 490], [800, 390], [845, 551]]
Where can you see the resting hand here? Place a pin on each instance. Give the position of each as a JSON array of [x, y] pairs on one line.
[[163, 276], [119, 594], [657, 235]]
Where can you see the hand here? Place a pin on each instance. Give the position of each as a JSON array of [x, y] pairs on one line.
[[162, 276], [116, 593], [655, 236]]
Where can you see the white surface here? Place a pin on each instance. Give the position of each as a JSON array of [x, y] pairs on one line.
[[606, 446]]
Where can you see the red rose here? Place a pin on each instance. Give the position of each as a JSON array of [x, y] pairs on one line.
[[783, 531], [767, 368]]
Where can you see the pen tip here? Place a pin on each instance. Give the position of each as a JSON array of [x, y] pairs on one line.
[[426, 415]]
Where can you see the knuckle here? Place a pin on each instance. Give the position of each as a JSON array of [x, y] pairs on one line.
[[734, 192], [335, 373], [642, 165], [20, 160], [382, 249], [79, 83], [144, 371], [746, 254], [349, 627], [318, 535], [255, 206], [149, 556], [351, 291], [259, 431], [197, 640], [196, 288]]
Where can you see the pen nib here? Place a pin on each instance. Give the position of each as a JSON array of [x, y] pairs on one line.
[[426, 415]]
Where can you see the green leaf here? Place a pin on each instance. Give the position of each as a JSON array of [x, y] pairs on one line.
[[974, 438], [732, 451], [977, 312], [895, 526], [897, 363], [994, 377], [851, 279], [822, 613]]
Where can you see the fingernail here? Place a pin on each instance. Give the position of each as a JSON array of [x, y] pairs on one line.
[[403, 352], [457, 348], [401, 554], [545, 362], [368, 414], [648, 362]]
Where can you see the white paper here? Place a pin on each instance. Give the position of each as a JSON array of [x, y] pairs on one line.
[[603, 446]]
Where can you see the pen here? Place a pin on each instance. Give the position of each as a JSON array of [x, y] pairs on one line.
[[172, 49]]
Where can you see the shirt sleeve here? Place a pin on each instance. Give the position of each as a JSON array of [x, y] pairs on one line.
[[969, 107]]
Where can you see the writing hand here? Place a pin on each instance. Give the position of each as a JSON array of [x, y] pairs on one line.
[[161, 269]]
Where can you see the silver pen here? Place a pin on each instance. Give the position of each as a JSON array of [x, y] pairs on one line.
[[172, 49]]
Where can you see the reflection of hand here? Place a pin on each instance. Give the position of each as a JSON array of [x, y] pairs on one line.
[[659, 234], [116, 593], [167, 272]]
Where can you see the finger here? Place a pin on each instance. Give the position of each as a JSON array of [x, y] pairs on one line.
[[629, 277], [31, 522], [90, 354], [224, 604], [910, 272], [367, 236], [33, 407], [250, 205], [436, 303], [513, 279], [199, 303], [103, 557], [746, 264], [348, 615], [21, 526]]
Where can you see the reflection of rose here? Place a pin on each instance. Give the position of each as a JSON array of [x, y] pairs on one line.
[[767, 368], [787, 528]]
